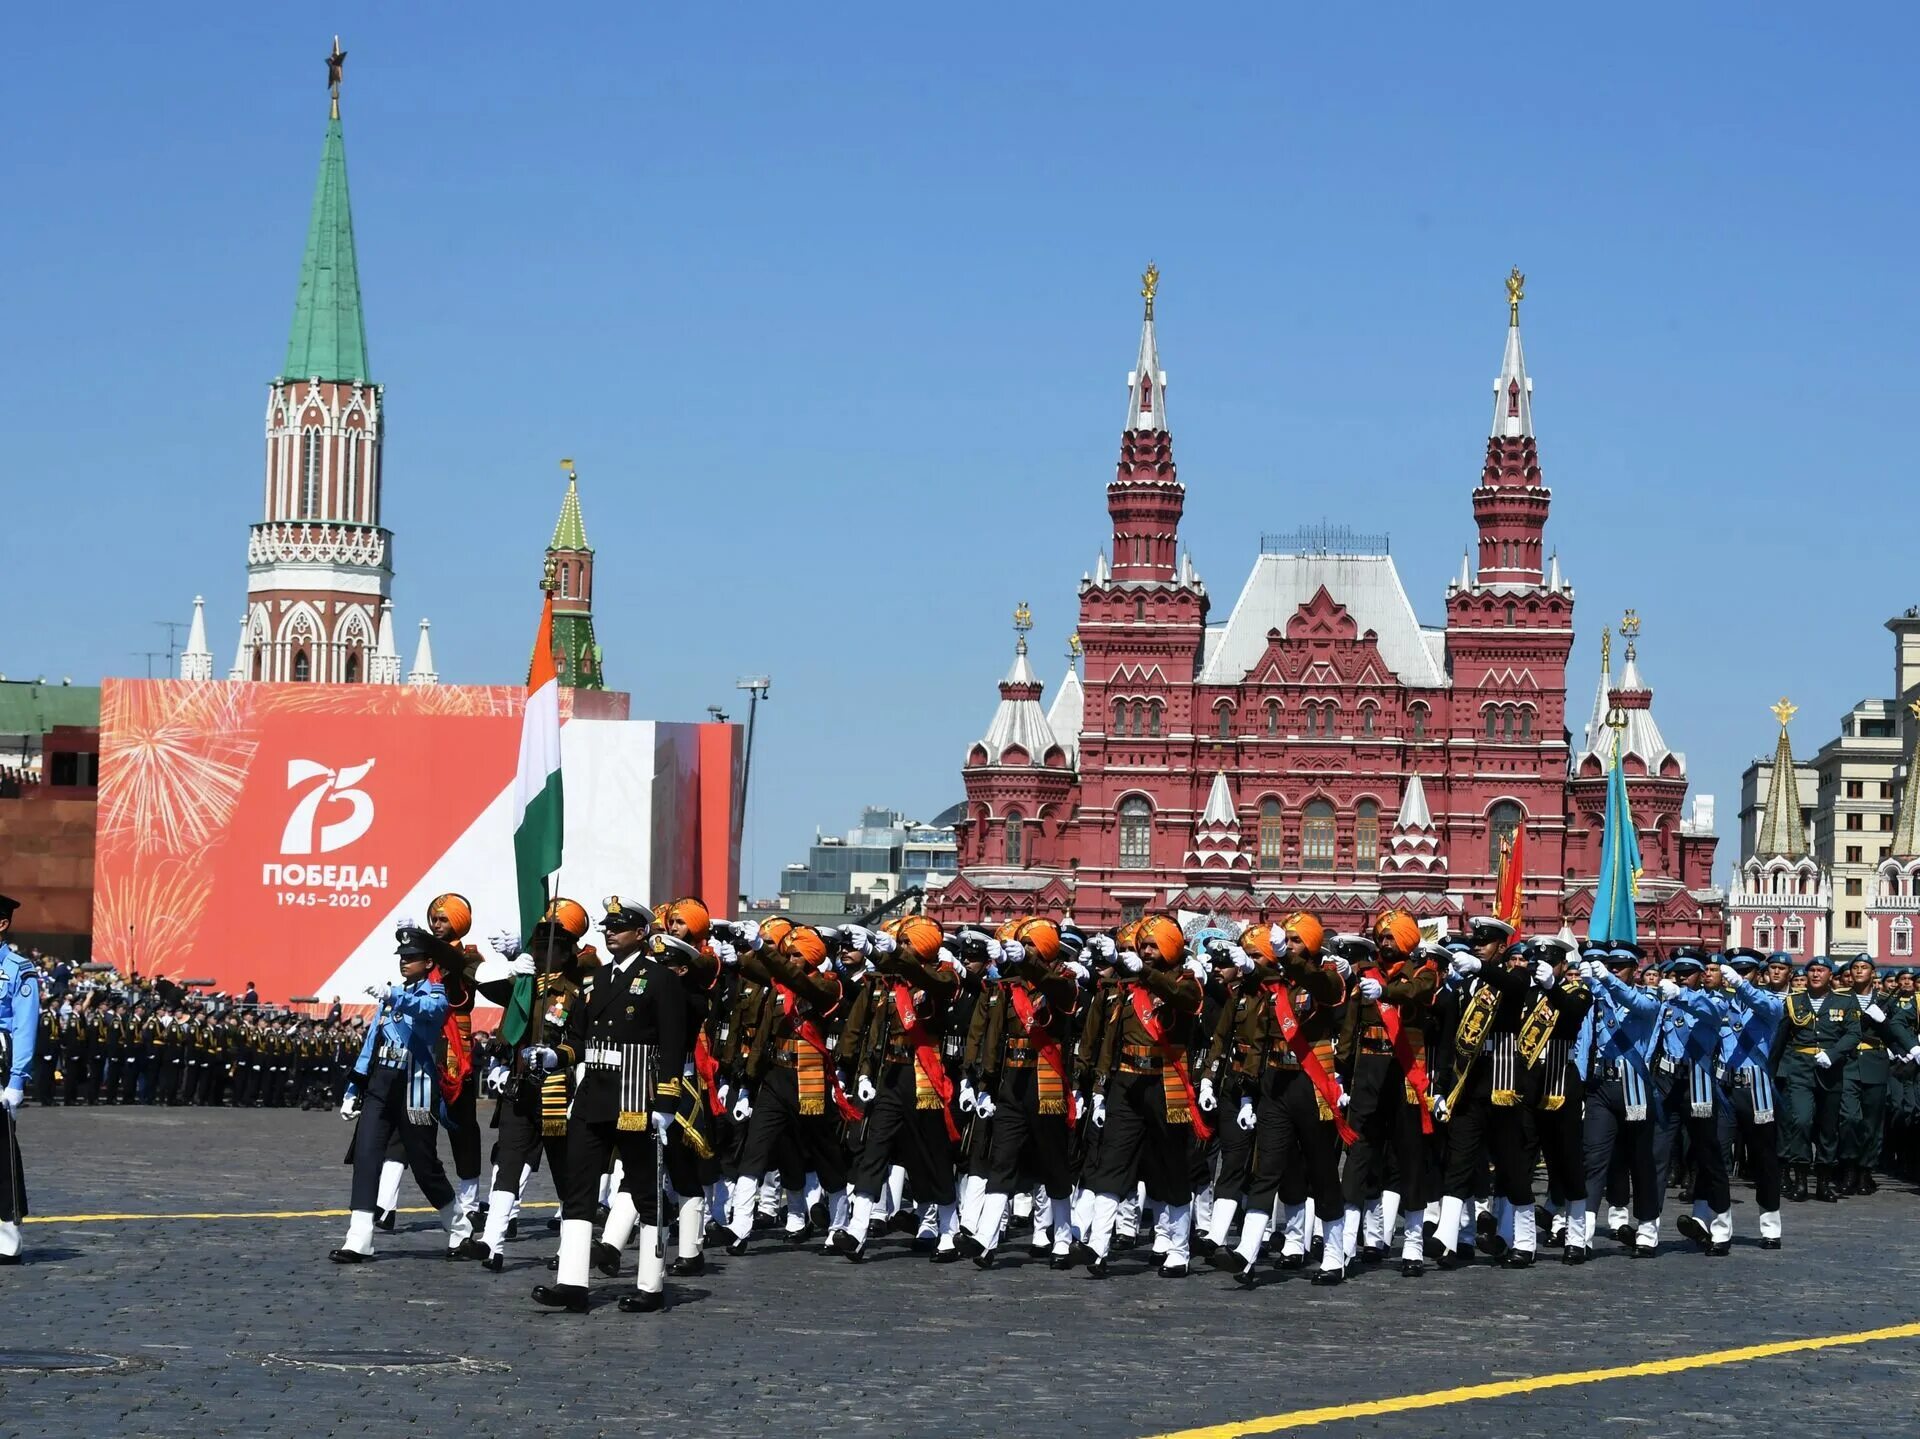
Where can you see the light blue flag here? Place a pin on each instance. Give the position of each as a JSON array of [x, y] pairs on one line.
[[1613, 912]]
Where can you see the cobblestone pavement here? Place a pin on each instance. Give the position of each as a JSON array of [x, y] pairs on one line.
[[241, 1326]]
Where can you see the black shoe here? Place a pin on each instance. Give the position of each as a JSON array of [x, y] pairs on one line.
[[925, 1243], [1225, 1259], [1769, 1243], [1372, 1253], [1171, 1270], [817, 1214], [1430, 1244], [968, 1246], [1291, 1261], [1485, 1225], [685, 1268], [1412, 1268], [984, 1259], [1466, 1254], [1824, 1193], [1450, 1259], [494, 1262], [1574, 1254], [386, 1219], [1060, 1261], [1494, 1245], [1248, 1276], [1038, 1252], [338, 1256], [553, 1225], [843, 1243], [1322, 1278], [1645, 1251], [1865, 1183], [570, 1297], [1518, 1259], [947, 1256], [716, 1235], [1203, 1247], [1317, 1250], [553, 1265], [1623, 1233], [513, 1227], [798, 1236], [1097, 1268], [606, 1259], [906, 1221], [1688, 1225], [736, 1246], [468, 1248], [1720, 1249], [642, 1302]]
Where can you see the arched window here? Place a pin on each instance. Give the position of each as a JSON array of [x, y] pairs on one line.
[[1419, 716], [1153, 717], [1136, 833], [1139, 718], [1316, 836], [1493, 722], [1763, 934], [1309, 717], [1366, 720], [1139, 607], [1502, 820], [1271, 829], [1273, 719], [302, 666], [310, 477], [350, 476], [1014, 842], [566, 581], [1526, 722], [1119, 717], [1225, 714], [1510, 614], [1903, 936], [353, 669], [1506, 721], [1366, 835]]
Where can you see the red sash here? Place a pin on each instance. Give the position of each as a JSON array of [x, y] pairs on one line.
[[808, 1033], [1175, 1062], [926, 1054], [1411, 1064], [1044, 1045], [709, 1069], [1310, 1064], [458, 1063]]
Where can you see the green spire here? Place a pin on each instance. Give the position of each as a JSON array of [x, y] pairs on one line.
[[329, 339], [570, 531]]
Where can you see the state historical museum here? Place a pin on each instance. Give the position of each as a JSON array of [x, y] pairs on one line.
[[1318, 747]]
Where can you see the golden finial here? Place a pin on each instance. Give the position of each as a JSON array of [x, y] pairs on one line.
[[567, 465], [547, 581], [1022, 622], [1606, 651], [1913, 708], [1150, 282], [1786, 710], [1630, 624], [1073, 653], [1516, 292], [336, 70]]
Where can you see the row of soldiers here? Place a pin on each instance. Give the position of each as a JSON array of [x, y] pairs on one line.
[[1278, 1088], [140, 1049]]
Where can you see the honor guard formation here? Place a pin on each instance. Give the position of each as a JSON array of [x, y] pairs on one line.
[[1260, 1099]]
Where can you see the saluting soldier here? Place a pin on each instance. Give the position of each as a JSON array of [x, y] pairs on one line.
[[1690, 1027], [1820, 1033], [1748, 1040]]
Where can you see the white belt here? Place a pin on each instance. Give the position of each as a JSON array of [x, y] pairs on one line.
[[604, 1058], [397, 1055]]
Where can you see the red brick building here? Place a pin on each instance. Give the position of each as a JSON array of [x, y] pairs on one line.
[[1318, 746]]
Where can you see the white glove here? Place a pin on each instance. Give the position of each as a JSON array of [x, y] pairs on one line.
[[720, 1095], [541, 1057], [724, 952], [966, 1096], [993, 949], [350, 1108], [983, 1105], [1340, 966], [496, 1080], [1102, 945], [1464, 964], [1543, 974], [884, 944], [1245, 1118], [1242, 961], [1099, 1115], [1012, 951], [864, 1090], [1823, 1060], [662, 1126], [1913, 1055], [1345, 1100], [506, 944], [1197, 967], [1208, 1100], [1369, 988], [747, 933], [522, 964], [1439, 1108], [856, 938], [1130, 962], [10, 1098], [1669, 990], [743, 1107], [1078, 970], [1875, 1013]]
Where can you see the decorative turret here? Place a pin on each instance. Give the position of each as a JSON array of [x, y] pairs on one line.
[[385, 669], [576, 656], [1146, 498], [423, 672], [1781, 832], [196, 660], [1068, 711], [1781, 898], [1019, 733], [1413, 860], [1510, 506], [1906, 826], [1216, 857]]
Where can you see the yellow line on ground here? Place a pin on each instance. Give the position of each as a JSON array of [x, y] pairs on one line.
[[247, 1214], [1467, 1394]]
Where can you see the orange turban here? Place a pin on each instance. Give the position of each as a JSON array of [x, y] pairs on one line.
[[1307, 926], [1042, 937], [455, 909], [1400, 927], [569, 916], [1010, 928], [1127, 935], [772, 931], [693, 914], [921, 935], [805, 945], [1165, 935], [1259, 941]]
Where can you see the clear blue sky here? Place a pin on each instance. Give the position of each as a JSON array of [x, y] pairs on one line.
[[834, 306]]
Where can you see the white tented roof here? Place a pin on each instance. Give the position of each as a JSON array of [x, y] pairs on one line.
[[1019, 721], [1369, 587], [1066, 713]]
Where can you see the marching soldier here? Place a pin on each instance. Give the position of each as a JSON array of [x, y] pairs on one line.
[[1478, 1012], [1621, 1110], [1747, 1051], [1690, 1027], [1227, 1077], [1820, 1033], [629, 1029], [1885, 1034], [449, 918], [19, 1031], [1560, 1114]]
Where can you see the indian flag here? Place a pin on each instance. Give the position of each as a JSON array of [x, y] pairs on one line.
[[537, 794]]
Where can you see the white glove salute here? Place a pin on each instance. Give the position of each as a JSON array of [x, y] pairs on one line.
[[857, 938], [1102, 945], [1197, 967], [541, 1057], [1543, 974], [1669, 990], [743, 1107], [994, 949], [350, 1107], [521, 964], [1208, 1100], [720, 1094], [1242, 961], [1078, 970], [1463, 964], [1130, 962], [506, 944], [1913, 1055], [747, 933], [724, 952], [1246, 1118], [1012, 951], [865, 1090], [1369, 988], [1099, 1115], [1340, 966], [884, 944]]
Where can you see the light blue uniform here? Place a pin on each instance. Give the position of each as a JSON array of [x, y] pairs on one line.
[[20, 1024]]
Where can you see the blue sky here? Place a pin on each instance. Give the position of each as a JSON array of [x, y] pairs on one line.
[[834, 306]]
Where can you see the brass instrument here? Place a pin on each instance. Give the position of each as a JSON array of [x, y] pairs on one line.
[[1469, 1035]]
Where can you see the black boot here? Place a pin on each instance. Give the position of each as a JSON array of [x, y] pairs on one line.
[[1823, 1184], [606, 1259], [1865, 1182]]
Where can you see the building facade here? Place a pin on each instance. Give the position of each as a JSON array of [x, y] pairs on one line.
[[1318, 746], [883, 857], [1781, 900]]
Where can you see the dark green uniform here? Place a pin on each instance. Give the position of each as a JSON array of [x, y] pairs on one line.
[[1811, 1094], [1863, 1105]]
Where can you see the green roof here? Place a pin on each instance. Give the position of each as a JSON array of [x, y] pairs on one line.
[[579, 657], [329, 340], [33, 709], [570, 531]]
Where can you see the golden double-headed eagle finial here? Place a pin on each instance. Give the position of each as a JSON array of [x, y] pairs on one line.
[[1516, 292], [1785, 710], [567, 465], [1630, 624], [1149, 283], [1073, 649]]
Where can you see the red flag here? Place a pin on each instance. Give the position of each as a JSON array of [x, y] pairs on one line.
[[1509, 903]]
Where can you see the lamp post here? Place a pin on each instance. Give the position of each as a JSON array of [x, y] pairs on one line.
[[756, 687]]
